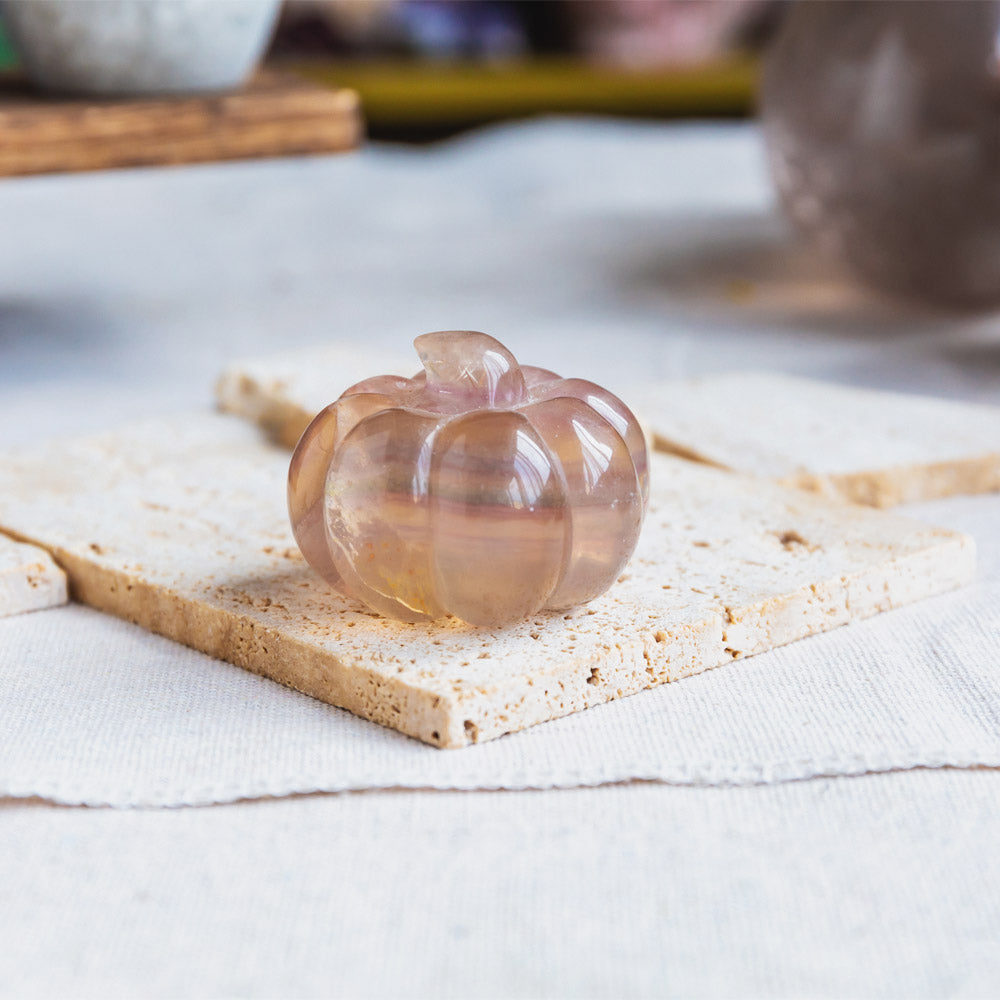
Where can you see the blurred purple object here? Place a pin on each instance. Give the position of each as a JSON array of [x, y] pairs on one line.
[[882, 121], [452, 29]]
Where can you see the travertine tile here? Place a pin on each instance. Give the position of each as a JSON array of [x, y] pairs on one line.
[[29, 579], [180, 525]]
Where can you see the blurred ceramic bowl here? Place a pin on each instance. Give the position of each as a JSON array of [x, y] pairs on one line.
[[139, 46]]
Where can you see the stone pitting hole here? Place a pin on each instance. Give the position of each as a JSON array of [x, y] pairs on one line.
[[789, 539]]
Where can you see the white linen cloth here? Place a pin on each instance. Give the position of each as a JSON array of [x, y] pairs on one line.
[[95, 711], [883, 886], [616, 251]]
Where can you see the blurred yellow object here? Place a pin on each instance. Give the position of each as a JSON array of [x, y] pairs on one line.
[[398, 93]]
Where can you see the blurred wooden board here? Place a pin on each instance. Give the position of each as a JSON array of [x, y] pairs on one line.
[[274, 115]]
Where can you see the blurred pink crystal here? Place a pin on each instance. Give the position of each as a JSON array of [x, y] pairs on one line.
[[883, 134], [478, 488]]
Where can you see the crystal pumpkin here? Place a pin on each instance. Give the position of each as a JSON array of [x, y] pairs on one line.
[[478, 488]]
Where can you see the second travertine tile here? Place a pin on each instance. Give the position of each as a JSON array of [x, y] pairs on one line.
[[861, 445], [281, 395]]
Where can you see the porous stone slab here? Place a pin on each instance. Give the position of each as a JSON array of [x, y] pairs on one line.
[[281, 395], [29, 579], [180, 525], [861, 445]]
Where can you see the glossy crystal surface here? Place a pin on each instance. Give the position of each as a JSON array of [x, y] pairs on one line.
[[479, 488]]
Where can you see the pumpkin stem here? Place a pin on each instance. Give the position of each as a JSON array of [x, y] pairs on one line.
[[473, 366]]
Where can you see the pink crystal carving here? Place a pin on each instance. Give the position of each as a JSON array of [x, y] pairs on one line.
[[478, 488]]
